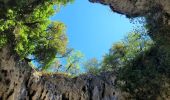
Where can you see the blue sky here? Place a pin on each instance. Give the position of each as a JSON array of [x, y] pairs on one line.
[[92, 28]]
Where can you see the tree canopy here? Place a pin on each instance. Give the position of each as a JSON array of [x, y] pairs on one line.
[[141, 67], [26, 27], [92, 66], [123, 52]]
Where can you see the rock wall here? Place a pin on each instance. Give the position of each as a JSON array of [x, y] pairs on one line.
[[18, 81], [135, 8]]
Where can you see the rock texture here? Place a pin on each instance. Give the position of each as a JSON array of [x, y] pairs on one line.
[[135, 8], [18, 81]]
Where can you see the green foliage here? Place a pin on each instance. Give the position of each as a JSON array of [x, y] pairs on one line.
[[73, 63], [134, 44], [146, 78], [69, 63], [26, 27], [142, 67], [52, 44], [92, 66], [3, 41]]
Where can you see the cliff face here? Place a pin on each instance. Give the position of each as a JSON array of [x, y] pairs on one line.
[[19, 82], [135, 8]]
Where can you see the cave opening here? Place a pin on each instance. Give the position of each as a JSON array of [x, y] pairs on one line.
[[92, 29], [136, 64]]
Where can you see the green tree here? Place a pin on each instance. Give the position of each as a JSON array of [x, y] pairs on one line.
[[142, 70], [25, 27], [73, 63], [92, 66], [121, 53]]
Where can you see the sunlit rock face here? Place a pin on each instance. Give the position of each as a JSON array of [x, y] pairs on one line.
[[135, 7], [128, 7]]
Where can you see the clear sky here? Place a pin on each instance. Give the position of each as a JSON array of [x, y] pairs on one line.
[[92, 28]]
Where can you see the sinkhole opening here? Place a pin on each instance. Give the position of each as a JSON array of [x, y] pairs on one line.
[[99, 40]]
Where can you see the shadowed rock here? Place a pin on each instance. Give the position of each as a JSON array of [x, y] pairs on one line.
[[17, 81]]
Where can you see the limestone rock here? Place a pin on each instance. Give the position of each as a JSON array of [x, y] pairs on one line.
[[17, 82]]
